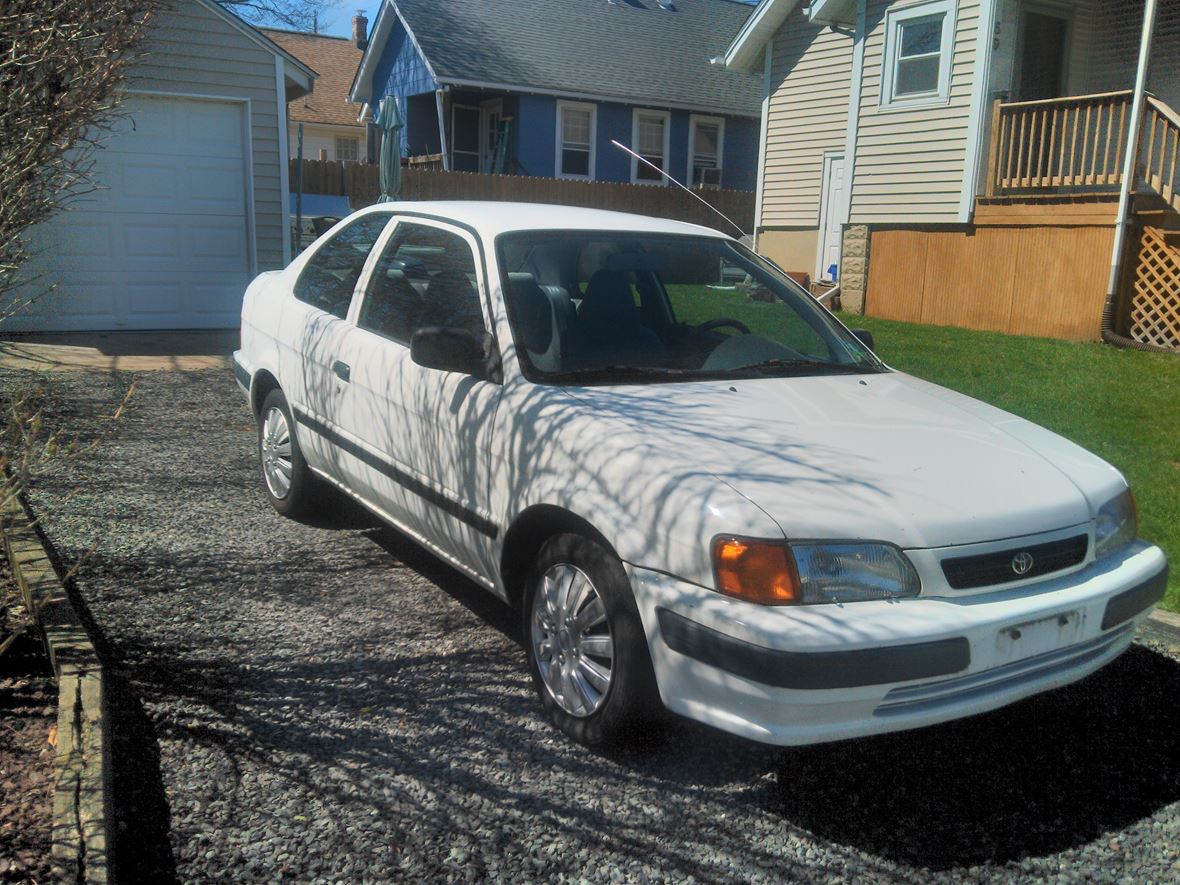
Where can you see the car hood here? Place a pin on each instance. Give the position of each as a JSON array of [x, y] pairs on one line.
[[881, 456]]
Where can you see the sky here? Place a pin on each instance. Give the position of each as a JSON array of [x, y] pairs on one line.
[[340, 19]]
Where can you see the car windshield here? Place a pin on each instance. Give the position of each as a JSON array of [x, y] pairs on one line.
[[601, 307]]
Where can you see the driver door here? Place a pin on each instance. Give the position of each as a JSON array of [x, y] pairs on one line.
[[423, 435]]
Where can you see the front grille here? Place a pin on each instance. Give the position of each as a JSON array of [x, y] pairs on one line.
[[989, 569]]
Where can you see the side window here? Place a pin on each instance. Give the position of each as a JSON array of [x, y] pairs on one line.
[[329, 277], [424, 277]]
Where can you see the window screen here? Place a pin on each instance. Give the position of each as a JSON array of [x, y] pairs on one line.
[[919, 56], [650, 146], [575, 141]]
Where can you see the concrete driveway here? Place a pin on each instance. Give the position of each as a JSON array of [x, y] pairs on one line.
[[119, 351], [324, 702]]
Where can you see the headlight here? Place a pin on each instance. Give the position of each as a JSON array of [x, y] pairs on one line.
[[1117, 524], [810, 572]]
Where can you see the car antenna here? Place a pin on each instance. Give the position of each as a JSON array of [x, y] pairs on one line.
[[623, 147]]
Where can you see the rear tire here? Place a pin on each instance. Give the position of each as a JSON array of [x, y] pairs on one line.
[[586, 646], [289, 483]]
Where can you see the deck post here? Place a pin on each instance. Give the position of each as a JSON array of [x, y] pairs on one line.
[[993, 154], [1138, 102]]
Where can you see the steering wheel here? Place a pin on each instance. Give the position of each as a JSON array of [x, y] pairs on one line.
[[722, 322]]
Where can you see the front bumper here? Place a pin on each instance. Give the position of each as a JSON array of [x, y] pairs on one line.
[[807, 674]]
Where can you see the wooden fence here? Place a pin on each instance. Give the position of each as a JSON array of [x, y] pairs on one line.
[[361, 184]]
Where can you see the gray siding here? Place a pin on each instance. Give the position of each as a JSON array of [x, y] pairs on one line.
[[194, 51]]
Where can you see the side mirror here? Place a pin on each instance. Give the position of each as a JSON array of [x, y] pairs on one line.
[[864, 336], [448, 349]]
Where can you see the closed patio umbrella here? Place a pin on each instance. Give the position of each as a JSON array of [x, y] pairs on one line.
[[389, 121]]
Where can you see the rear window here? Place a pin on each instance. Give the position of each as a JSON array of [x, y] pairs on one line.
[[330, 276]]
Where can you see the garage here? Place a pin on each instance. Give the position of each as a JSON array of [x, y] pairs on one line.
[[164, 242], [191, 182]]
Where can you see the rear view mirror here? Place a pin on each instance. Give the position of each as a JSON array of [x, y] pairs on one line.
[[449, 350], [864, 336]]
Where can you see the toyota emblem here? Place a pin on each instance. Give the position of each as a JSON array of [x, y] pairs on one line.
[[1022, 562]]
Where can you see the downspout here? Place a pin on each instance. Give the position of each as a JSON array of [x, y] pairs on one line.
[[1138, 102], [442, 130]]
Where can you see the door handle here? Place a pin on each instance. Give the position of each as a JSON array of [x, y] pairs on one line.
[[341, 370]]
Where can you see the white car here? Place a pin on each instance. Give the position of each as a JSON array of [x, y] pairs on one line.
[[701, 490]]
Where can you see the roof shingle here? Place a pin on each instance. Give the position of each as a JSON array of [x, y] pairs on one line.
[[335, 59], [637, 51]]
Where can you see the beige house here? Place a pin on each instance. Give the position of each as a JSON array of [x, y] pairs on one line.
[[331, 124], [192, 185], [962, 162]]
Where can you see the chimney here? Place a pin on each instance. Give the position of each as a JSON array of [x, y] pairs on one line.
[[360, 29]]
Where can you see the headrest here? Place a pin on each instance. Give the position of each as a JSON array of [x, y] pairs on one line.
[[608, 300], [533, 311]]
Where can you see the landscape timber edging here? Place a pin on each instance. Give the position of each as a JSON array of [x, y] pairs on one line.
[[81, 765]]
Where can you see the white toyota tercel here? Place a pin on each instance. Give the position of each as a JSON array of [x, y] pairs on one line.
[[700, 489]]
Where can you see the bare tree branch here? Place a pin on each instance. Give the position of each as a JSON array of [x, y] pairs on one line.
[[301, 15]]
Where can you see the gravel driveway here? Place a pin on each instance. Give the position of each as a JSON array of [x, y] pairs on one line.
[[325, 702]]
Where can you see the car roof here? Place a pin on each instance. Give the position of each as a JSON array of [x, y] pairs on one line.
[[492, 218]]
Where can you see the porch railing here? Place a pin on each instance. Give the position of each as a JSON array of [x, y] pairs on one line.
[[1063, 144], [1159, 150]]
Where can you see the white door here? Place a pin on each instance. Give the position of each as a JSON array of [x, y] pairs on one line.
[[164, 242], [422, 436], [831, 230]]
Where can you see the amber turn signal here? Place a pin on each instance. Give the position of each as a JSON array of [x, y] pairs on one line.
[[756, 571]]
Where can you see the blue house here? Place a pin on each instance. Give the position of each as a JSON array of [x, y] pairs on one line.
[[541, 87]]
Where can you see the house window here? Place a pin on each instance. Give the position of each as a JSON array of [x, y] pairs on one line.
[[576, 124], [919, 41], [706, 135], [348, 148], [649, 135]]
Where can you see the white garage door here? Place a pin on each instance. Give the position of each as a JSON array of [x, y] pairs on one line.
[[165, 243]]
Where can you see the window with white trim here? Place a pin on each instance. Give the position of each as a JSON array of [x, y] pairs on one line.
[[348, 148], [919, 42], [576, 124], [649, 139], [706, 138]]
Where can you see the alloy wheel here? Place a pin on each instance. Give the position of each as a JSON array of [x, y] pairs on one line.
[[572, 640]]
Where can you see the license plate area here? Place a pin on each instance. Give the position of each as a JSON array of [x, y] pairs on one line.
[[1032, 638]]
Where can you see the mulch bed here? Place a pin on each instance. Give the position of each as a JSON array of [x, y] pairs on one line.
[[28, 732]]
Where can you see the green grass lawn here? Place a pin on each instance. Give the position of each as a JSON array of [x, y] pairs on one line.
[[1120, 404]]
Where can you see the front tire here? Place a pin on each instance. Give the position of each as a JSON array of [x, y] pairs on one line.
[[586, 646], [288, 481]]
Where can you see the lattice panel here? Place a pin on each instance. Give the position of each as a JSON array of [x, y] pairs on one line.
[[1155, 299]]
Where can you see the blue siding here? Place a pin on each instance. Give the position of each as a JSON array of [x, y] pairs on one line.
[[610, 163], [536, 131], [401, 72], [740, 158]]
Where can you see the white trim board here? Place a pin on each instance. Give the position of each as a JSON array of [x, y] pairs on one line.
[[760, 184], [976, 128], [558, 142], [854, 99], [284, 161], [719, 122], [667, 117]]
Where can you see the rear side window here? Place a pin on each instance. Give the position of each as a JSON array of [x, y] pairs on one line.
[[424, 277], [329, 277]]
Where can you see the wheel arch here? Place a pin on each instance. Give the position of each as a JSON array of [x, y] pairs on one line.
[[527, 535], [264, 383]]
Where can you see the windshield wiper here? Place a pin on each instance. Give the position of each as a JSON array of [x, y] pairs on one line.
[[614, 373], [769, 366]]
